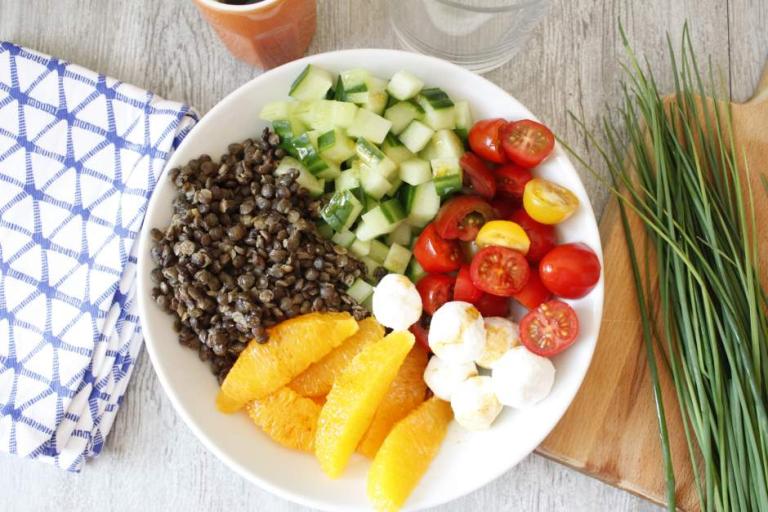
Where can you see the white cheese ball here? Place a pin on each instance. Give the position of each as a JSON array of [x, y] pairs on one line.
[[501, 334], [396, 302], [474, 403], [443, 378], [457, 332], [522, 378]]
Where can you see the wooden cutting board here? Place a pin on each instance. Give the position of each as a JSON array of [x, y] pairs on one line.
[[610, 431]]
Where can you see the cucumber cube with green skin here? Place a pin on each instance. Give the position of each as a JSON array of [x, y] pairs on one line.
[[312, 84], [276, 110], [447, 185], [331, 171], [360, 248], [342, 210], [415, 171], [374, 100], [401, 235], [397, 259], [360, 290], [463, 116], [348, 179], [415, 271], [395, 150], [355, 80], [370, 126], [447, 175], [395, 186], [416, 136], [343, 238], [426, 203], [328, 114], [381, 220], [372, 156], [401, 114], [305, 180], [335, 145], [404, 85], [378, 251], [439, 110], [443, 144], [406, 195], [374, 184]]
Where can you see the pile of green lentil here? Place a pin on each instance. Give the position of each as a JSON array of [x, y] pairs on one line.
[[242, 253]]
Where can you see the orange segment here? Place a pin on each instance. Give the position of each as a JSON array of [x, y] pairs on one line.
[[287, 417], [293, 345], [406, 454], [404, 395], [318, 379], [354, 398]]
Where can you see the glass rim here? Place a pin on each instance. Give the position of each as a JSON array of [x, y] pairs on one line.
[[500, 8]]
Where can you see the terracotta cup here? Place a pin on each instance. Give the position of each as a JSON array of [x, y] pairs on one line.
[[266, 33]]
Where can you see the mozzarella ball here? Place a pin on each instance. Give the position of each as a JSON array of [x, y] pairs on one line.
[[396, 302], [457, 332], [474, 404], [522, 378], [501, 334], [443, 378]]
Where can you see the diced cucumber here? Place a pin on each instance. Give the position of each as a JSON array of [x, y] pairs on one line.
[[306, 180], [368, 303], [348, 179], [343, 238], [378, 251], [375, 82], [335, 145], [328, 114], [401, 114], [312, 84], [415, 171], [415, 271], [331, 171], [355, 80], [372, 156], [401, 235], [374, 184], [463, 119], [381, 220], [369, 125], [288, 128], [439, 110], [446, 185], [416, 136], [392, 210], [403, 85], [397, 259], [339, 94], [395, 186], [425, 205], [325, 230], [443, 144], [405, 195], [374, 100], [360, 290], [276, 110], [370, 268], [447, 175], [395, 150], [360, 248], [301, 147], [342, 210], [313, 136]]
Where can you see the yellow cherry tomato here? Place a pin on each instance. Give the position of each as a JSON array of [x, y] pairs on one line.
[[504, 233], [548, 202]]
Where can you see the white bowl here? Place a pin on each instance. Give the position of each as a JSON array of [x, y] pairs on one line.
[[466, 460]]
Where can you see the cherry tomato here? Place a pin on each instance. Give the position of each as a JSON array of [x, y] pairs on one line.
[[479, 175], [435, 290], [499, 270], [461, 217], [485, 140], [542, 236], [421, 333], [492, 305], [570, 270], [503, 233], [504, 207], [435, 254], [511, 180], [464, 289], [548, 202], [550, 328], [533, 293], [526, 143]]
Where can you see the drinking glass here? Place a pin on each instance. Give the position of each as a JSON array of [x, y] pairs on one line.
[[478, 34]]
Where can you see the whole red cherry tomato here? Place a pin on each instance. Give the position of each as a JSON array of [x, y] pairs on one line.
[[479, 175], [542, 236], [462, 217], [533, 293], [485, 140], [464, 289], [504, 206], [570, 270], [549, 329], [492, 305], [511, 180], [435, 290], [436, 254], [526, 142], [499, 270]]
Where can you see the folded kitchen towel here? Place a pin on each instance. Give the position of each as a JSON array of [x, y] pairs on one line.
[[80, 154]]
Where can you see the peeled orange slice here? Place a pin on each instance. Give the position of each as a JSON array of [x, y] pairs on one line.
[[287, 417]]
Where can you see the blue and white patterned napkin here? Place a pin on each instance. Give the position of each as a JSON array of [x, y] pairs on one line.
[[80, 154]]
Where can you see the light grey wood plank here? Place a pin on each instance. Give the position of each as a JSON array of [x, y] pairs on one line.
[[151, 459]]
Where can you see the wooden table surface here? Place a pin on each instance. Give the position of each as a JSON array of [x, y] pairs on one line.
[[151, 460]]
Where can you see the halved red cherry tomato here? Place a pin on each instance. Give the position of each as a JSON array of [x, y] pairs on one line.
[[436, 254], [570, 270], [542, 236], [533, 293], [462, 217], [464, 289], [504, 207], [421, 333], [527, 143], [479, 175], [511, 180], [435, 290], [492, 305], [499, 270], [550, 328], [485, 140]]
